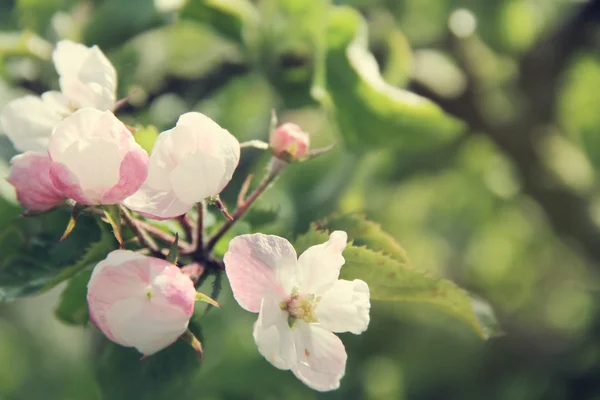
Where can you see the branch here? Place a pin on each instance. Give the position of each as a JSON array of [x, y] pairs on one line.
[[275, 168], [142, 235]]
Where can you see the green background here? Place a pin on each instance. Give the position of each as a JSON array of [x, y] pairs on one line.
[[499, 193]]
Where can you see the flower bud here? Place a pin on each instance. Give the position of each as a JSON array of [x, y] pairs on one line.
[[95, 158], [86, 76], [30, 175], [289, 142], [190, 162], [139, 301]]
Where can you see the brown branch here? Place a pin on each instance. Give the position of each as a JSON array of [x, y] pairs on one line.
[[142, 235], [275, 168]]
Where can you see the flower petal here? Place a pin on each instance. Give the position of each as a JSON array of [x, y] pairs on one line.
[[197, 176], [257, 264], [156, 204], [272, 334], [345, 307], [320, 265], [28, 121], [321, 357]]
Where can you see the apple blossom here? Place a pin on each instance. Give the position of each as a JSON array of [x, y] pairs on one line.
[[95, 158], [87, 79], [86, 76], [139, 301], [289, 142], [190, 162], [30, 175], [300, 303]]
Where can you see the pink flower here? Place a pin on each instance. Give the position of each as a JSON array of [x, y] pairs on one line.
[[96, 160], [30, 175], [300, 303], [190, 162], [289, 142], [139, 301]]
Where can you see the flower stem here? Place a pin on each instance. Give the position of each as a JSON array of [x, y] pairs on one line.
[[143, 236], [276, 166]]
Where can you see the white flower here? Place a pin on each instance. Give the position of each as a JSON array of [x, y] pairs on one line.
[[139, 301], [300, 303], [96, 159], [87, 79], [190, 162], [86, 76]]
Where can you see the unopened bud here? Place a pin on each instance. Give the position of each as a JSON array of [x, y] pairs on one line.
[[289, 142]]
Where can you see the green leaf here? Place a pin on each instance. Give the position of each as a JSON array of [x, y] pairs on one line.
[[145, 136], [397, 281], [72, 307], [38, 260], [233, 18], [365, 233], [173, 255], [113, 214], [369, 112]]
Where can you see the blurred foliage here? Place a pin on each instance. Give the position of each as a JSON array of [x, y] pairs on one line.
[[343, 71]]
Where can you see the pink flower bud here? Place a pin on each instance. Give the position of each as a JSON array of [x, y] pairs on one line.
[[289, 142], [96, 159], [139, 301], [30, 175]]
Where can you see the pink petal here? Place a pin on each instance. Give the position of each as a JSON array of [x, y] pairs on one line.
[[133, 173], [67, 183], [256, 264]]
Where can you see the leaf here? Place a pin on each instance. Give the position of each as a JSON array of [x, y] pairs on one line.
[[365, 233], [95, 253], [72, 307], [396, 281], [369, 112], [145, 136], [38, 261], [233, 18], [113, 214], [173, 255]]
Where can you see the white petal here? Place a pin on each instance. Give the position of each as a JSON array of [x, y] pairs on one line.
[[258, 264], [28, 122], [116, 257], [345, 307], [197, 176], [320, 265], [156, 204], [87, 77], [321, 357], [137, 322], [273, 335], [68, 57]]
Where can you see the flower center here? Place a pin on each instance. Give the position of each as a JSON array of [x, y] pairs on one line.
[[300, 307]]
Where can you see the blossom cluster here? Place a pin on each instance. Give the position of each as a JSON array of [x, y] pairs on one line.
[[73, 147]]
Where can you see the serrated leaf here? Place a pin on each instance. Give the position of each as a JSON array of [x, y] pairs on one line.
[[40, 260], [233, 18], [396, 281], [365, 233], [369, 112], [72, 307], [95, 253]]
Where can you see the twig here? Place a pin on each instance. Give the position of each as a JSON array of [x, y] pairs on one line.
[[186, 225], [162, 235], [275, 168], [221, 206], [142, 235], [244, 191], [198, 234]]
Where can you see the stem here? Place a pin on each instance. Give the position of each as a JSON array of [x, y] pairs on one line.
[[186, 224], [143, 236], [198, 237], [275, 168]]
